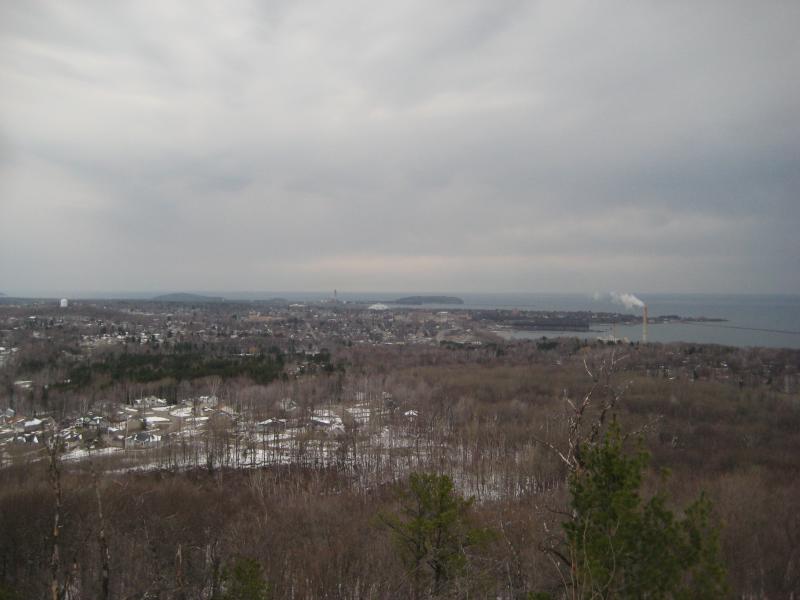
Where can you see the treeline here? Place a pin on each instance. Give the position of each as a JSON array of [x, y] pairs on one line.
[[180, 366], [182, 363], [286, 533]]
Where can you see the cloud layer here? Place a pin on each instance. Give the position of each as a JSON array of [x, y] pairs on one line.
[[475, 146]]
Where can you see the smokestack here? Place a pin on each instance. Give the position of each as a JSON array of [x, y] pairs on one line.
[[644, 324]]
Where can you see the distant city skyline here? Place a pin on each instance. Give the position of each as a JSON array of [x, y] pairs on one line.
[[565, 147]]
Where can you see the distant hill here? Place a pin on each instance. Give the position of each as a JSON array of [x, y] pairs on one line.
[[428, 300], [181, 297]]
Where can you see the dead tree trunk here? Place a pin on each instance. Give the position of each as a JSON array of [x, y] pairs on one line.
[[55, 484], [105, 556], [179, 573]]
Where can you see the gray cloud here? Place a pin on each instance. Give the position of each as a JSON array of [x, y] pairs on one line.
[[483, 145]]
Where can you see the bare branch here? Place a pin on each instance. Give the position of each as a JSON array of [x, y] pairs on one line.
[[644, 428], [586, 366]]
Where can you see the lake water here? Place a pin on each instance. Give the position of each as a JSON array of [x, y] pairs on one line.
[[752, 320]]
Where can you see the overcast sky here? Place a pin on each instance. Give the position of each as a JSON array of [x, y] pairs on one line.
[[420, 146]]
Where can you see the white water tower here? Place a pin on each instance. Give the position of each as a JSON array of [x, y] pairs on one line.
[[64, 303]]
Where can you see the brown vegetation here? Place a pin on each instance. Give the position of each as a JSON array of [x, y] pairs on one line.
[[486, 416]]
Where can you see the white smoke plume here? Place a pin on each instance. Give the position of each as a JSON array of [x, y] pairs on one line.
[[627, 300]]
